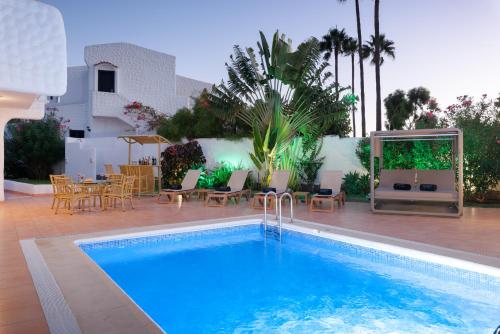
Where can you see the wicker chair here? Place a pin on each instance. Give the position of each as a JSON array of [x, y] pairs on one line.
[[55, 190], [108, 169], [68, 193], [120, 191]]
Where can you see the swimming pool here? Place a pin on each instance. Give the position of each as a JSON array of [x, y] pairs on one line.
[[236, 279]]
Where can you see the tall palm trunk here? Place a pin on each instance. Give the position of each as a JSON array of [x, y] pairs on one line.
[[361, 71], [336, 53], [377, 66], [352, 88]]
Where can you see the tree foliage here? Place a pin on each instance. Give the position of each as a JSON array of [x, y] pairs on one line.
[[32, 148], [480, 123], [282, 94], [202, 121]]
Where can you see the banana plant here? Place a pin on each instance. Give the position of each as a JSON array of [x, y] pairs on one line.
[[280, 94]]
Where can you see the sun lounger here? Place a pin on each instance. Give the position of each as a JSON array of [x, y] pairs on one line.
[[188, 186], [235, 190], [331, 180], [279, 181]]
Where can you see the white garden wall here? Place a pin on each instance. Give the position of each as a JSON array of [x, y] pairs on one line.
[[87, 156]]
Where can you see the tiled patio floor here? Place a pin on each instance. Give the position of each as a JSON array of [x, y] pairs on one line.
[[478, 231]]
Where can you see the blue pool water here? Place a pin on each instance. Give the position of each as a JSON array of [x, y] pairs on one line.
[[233, 280]]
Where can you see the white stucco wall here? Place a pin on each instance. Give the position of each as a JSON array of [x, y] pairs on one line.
[[339, 153], [32, 62], [187, 88], [142, 74]]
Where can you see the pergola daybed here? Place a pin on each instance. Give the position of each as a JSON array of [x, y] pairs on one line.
[[445, 198], [144, 171]]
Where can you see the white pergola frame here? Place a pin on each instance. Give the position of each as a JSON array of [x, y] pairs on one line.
[[454, 134]]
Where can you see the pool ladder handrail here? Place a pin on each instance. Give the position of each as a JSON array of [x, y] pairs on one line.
[[285, 194], [278, 206], [265, 207]]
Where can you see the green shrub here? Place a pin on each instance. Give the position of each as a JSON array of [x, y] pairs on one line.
[[219, 176], [355, 183], [178, 159], [480, 124], [426, 155], [33, 147]]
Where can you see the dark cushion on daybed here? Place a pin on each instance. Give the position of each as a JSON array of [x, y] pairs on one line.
[[268, 189], [174, 187], [428, 187], [402, 186]]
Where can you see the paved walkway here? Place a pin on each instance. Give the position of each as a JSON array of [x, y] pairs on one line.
[[22, 217]]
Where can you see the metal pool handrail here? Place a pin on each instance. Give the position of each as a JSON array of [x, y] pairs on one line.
[[291, 209], [265, 207]]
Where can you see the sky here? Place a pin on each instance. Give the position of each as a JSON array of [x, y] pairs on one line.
[[451, 47]]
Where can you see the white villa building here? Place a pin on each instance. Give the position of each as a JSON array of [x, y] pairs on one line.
[[32, 62], [115, 75]]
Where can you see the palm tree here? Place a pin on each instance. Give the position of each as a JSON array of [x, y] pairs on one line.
[[376, 48], [350, 48], [333, 42], [361, 69], [377, 65]]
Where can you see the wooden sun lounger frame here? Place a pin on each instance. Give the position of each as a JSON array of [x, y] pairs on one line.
[[258, 198], [317, 200], [172, 195], [331, 179], [220, 198]]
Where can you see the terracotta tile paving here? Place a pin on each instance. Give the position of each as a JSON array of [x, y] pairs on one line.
[[22, 217]]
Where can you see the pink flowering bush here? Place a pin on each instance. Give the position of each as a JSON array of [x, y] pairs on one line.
[[144, 116], [480, 123]]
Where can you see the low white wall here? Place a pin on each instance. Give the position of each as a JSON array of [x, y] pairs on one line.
[[26, 188], [87, 156]]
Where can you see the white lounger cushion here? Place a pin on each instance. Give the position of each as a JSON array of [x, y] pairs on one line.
[[190, 180], [236, 182], [279, 180]]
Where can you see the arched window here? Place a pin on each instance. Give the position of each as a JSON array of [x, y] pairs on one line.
[[106, 77]]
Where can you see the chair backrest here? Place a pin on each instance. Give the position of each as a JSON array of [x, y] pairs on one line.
[[115, 178], [237, 180], [108, 169], [331, 179], [128, 184], [124, 170], [390, 176], [59, 183], [443, 179], [190, 180], [279, 180]]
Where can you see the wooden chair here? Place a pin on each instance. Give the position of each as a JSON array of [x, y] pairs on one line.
[[115, 178], [331, 179], [55, 190], [120, 191], [108, 169], [69, 194]]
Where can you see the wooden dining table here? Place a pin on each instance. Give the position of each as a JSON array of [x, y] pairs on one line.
[[94, 189]]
